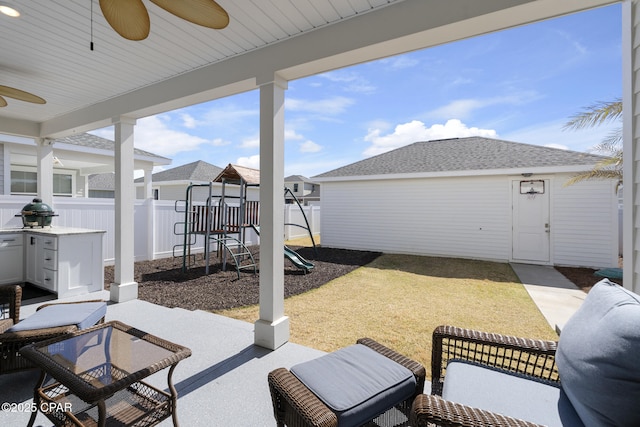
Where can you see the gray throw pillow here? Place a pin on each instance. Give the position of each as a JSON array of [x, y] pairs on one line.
[[598, 357]]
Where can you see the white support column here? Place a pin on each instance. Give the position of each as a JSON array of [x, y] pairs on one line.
[[272, 329], [44, 151], [149, 205], [631, 140], [124, 288]]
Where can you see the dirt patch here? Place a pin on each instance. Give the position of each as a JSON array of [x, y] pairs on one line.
[[584, 278], [163, 282]]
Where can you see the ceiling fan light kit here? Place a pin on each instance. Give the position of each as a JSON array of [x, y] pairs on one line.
[[130, 18]]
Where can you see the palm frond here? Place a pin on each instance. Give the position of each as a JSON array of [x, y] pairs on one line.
[[596, 114]]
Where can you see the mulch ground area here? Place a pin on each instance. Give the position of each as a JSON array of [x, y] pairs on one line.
[[163, 282], [584, 278]]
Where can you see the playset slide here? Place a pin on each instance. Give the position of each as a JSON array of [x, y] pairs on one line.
[[292, 256]]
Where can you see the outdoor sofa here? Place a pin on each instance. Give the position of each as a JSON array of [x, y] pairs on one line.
[[49, 321], [590, 377]]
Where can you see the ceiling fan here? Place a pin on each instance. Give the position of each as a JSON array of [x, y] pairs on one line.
[[10, 92], [130, 18]]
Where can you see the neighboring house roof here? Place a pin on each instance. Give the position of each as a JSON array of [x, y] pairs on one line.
[[297, 178], [462, 154], [102, 181], [195, 171], [93, 141]]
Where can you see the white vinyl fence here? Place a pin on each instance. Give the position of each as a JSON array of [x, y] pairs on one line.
[[158, 227]]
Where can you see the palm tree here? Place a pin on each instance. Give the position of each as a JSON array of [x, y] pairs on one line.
[[595, 115]]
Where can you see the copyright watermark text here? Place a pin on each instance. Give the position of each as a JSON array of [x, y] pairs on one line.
[[45, 407]]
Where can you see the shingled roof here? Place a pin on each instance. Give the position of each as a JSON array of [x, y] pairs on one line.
[[462, 154], [93, 141], [194, 171]]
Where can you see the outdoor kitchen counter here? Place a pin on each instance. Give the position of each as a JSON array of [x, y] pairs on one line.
[[50, 231], [64, 260]]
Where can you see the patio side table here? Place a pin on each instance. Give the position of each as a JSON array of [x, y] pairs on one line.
[[96, 377]]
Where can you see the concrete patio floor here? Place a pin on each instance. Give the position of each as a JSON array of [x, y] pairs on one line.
[[223, 383]]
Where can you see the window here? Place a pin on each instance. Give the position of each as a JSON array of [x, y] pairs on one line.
[[156, 195], [25, 181], [295, 188]]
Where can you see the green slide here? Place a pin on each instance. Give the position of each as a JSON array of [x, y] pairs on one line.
[[292, 256], [297, 260]]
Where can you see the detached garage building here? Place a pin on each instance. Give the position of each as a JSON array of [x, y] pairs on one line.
[[473, 198]]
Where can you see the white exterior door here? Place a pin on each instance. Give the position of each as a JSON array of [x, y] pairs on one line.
[[531, 227]]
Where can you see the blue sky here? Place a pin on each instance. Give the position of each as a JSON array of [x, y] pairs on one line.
[[520, 84]]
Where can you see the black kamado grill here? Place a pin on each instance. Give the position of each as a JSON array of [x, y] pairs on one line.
[[36, 214]]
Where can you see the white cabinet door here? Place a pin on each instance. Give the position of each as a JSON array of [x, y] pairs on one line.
[[11, 257]]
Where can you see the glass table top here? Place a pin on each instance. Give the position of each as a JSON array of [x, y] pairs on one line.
[[103, 356]]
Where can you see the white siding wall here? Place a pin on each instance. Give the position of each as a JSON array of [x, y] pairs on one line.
[[631, 112], [467, 217], [456, 217], [584, 223]]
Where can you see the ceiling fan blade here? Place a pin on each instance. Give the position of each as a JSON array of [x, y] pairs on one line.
[[14, 93], [129, 18], [207, 13], [3, 102]]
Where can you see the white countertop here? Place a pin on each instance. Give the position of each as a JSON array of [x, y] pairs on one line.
[[50, 231]]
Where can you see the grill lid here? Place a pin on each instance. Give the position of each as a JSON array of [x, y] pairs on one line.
[[37, 208]]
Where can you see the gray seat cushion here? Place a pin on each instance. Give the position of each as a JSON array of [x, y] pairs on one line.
[[82, 315], [518, 396], [356, 383], [598, 355]]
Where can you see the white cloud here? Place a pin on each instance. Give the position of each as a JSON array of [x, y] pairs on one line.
[[351, 80], [310, 147], [414, 131], [558, 146], [292, 135], [400, 62], [154, 135], [250, 142], [551, 134], [463, 108], [188, 121], [249, 162], [327, 107]]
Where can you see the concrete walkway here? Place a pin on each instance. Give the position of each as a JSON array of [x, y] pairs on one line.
[[556, 296]]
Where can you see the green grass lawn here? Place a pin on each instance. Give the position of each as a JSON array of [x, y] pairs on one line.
[[399, 299]]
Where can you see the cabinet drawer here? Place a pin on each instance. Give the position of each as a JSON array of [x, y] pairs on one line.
[[50, 243], [50, 259], [50, 280], [7, 240]]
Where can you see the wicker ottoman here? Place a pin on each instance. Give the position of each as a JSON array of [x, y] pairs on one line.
[[349, 387]]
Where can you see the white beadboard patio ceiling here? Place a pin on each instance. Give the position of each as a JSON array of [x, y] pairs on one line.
[[46, 51]]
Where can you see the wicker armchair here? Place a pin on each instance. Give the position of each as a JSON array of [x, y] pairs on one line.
[[11, 342], [296, 406], [518, 355]]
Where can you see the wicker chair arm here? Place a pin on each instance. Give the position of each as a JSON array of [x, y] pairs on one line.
[[11, 296], [416, 368], [286, 389], [40, 307], [429, 410], [33, 335], [5, 324], [520, 355]]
